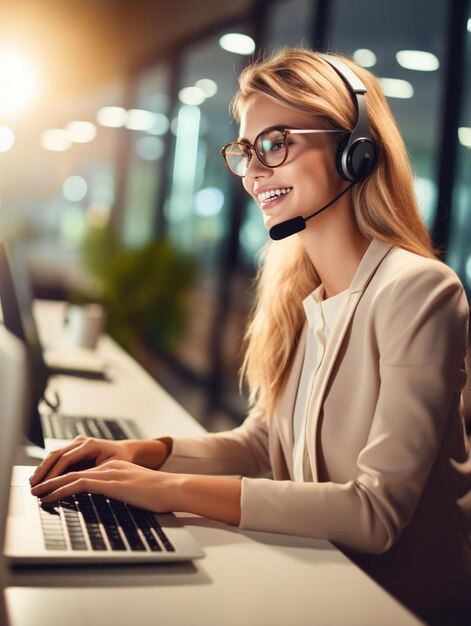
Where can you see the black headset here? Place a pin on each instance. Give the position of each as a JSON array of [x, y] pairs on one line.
[[356, 154]]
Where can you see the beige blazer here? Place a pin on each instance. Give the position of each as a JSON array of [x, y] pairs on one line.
[[385, 443]]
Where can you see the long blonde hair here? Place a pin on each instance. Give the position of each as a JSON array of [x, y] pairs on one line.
[[384, 204]]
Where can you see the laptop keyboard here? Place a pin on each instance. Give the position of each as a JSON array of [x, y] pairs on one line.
[[65, 427], [95, 522]]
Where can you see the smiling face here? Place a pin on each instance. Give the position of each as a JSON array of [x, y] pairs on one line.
[[306, 181]]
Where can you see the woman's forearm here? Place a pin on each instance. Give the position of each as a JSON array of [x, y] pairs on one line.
[[149, 453], [210, 496]]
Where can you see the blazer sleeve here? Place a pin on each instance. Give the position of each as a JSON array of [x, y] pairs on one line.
[[241, 451], [420, 327]]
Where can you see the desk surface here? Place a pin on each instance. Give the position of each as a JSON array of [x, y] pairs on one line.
[[246, 578]]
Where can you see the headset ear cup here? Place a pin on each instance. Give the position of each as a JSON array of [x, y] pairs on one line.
[[361, 159], [356, 167], [338, 158]]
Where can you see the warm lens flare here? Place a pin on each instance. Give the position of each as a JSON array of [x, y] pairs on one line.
[[19, 83]]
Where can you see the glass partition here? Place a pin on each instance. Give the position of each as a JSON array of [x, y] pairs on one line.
[[148, 125], [406, 51], [198, 209], [198, 203], [459, 249]]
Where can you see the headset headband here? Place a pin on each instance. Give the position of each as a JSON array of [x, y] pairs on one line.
[[361, 132]]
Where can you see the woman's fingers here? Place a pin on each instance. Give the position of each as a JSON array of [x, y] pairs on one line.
[[52, 459], [70, 459], [79, 485], [120, 480], [53, 489]]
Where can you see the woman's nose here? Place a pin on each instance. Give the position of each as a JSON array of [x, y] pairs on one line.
[[255, 168]]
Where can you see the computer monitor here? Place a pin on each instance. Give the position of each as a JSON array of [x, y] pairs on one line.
[[17, 308]]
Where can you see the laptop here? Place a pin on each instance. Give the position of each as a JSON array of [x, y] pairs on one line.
[[83, 529], [17, 309]]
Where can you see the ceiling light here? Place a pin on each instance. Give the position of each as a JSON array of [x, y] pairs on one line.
[[81, 132], [7, 138], [191, 95], [396, 88], [161, 124], [140, 119], [365, 57], [469, 25], [237, 43], [464, 135], [417, 60], [56, 140], [113, 117], [208, 86]]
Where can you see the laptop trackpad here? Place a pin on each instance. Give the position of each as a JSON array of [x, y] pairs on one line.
[[16, 506]]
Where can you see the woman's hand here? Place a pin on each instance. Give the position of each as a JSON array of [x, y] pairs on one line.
[[120, 480], [125, 470], [85, 452]]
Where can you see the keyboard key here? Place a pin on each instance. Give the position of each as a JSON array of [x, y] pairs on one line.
[[51, 523], [58, 426], [117, 433], [159, 531], [93, 428], [107, 519], [73, 524], [140, 519], [128, 526]]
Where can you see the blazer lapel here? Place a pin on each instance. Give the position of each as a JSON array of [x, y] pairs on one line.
[[372, 258], [285, 405]]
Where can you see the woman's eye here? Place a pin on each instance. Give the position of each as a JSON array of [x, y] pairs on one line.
[[278, 145]]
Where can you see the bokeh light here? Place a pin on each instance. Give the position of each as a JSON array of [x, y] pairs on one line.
[[7, 138], [75, 188], [149, 148], [55, 139], [81, 132], [113, 117], [237, 43], [19, 83], [209, 201]]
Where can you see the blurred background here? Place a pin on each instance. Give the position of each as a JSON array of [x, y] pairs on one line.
[[112, 115]]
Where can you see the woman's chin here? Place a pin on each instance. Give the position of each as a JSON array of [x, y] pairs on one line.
[[271, 220]]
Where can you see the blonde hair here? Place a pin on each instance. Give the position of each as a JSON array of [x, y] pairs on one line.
[[384, 204]]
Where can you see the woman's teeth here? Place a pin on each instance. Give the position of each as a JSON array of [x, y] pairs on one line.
[[273, 193]]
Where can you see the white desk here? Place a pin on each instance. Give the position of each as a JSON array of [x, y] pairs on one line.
[[246, 578]]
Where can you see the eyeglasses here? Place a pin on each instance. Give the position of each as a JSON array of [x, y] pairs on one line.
[[270, 146]]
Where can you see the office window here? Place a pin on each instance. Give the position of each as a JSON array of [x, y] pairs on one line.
[[198, 203], [391, 39], [149, 123], [198, 207], [459, 250], [288, 23], [58, 181]]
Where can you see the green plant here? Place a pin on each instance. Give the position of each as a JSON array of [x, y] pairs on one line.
[[143, 290]]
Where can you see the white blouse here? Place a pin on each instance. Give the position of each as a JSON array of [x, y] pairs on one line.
[[321, 316]]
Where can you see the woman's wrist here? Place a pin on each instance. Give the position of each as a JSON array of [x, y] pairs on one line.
[[214, 497], [150, 453]]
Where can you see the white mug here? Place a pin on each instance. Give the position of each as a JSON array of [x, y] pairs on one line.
[[83, 325]]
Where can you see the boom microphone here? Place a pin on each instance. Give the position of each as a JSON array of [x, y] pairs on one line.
[[297, 224]]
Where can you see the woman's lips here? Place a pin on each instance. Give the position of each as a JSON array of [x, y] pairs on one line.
[[273, 200]]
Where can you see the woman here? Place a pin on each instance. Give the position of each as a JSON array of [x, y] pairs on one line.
[[354, 352]]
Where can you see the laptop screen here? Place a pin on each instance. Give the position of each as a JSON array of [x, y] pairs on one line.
[[17, 308]]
